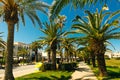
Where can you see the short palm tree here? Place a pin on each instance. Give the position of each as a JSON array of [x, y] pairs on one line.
[[35, 46], [23, 52], [48, 53], [69, 48], [11, 10], [2, 43], [98, 30], [3, 47], [84, 43], [59, 4]]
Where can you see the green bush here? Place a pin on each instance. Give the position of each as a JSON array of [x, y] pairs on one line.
[[2, 61], [118, 58], [48, 66], [68, 66], [107, 57]]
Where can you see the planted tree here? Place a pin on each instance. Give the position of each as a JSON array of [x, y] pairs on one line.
[[11, 10], [35, 46], [23, 52], [53, 33], [98, 30]]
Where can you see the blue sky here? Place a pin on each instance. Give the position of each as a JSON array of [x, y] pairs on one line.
[[29, 33]]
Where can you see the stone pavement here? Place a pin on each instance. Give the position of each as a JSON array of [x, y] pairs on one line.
[[83, 72]]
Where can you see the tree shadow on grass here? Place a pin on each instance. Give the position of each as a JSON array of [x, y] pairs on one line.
[[113, 74], [61, 78], [83, 69], [47, 78], [36, 78]]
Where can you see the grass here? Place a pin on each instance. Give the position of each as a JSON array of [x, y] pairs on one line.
[[47, 75], [113, 68]]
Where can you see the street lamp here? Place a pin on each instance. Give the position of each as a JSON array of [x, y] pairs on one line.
[[105, 7]]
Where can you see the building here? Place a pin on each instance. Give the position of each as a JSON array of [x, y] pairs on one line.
[[18, 45], [113, 54], [116, 55]]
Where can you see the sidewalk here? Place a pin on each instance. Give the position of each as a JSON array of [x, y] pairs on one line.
[[83, 73]]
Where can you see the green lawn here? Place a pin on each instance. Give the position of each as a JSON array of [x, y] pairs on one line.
[[113, 68], [47, 75]]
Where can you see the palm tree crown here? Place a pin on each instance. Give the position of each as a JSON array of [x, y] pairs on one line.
[[13, 9], [59, 4]]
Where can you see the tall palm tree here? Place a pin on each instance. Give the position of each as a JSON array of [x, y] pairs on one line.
[[98, 30], [35, 46], [52, 39], [53, 34], [59, 4], [11, 10]]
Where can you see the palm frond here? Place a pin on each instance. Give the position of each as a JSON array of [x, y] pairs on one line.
[[22, 17], [107, 26], [112, 15], [57, 6], [31, 18], [112, 30], [81, 28], [114, 35]]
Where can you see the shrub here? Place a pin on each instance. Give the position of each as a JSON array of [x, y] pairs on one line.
[[48, 66], [68, 66], [118, 58]]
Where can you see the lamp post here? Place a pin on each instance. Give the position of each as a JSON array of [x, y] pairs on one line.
[[3, 56], [105, 7], [2, 50]]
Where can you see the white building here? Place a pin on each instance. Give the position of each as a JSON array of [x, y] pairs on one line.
[[116, 55], [18, 45], [109, 54], [113, 54]]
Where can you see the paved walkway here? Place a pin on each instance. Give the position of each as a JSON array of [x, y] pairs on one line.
[[83, 73]]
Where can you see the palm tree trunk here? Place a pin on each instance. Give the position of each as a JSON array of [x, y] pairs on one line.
[[93, 59], [101, 65], [9, 54], [67, 57], [36, 55], [53, 59], [48, 56], [61, 57], [93, 62]]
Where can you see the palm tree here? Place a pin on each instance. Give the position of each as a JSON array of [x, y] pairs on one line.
[[69, 48], [35, 46], [83, 42], [2, 47], [23, 52], [11, 10], [59, 4], [48, 53], [53, 33], [52, 39], [98, 30]]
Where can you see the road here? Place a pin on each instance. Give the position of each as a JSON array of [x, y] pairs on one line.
[[19, 71]]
